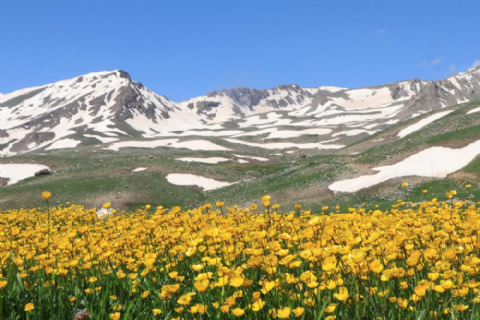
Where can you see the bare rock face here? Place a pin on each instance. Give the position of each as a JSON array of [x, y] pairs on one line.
[[398, 92], [436, 95], [42, 172], [246, 96]]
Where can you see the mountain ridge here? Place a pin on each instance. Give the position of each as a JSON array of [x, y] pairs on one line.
[[112, 103]]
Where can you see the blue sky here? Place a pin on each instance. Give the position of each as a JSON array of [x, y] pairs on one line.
[[183, 49]]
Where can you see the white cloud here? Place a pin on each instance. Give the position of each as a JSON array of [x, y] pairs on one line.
[[475, 64], [423, 64], [382, 31], [437, 61], [452, 68]]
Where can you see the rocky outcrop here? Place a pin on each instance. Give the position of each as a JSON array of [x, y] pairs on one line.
[[42, 172]]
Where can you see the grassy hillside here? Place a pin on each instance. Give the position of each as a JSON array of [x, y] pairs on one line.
[[91, 175]]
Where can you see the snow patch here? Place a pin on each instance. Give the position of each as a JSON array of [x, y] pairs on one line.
[[211, 160], [435, 162], [287, 145], [182, 179], [141, 144], [102, 139], [16, 172], [251, 157], [64, 144], [422, 123], [200, 145], [474, 110], [350, 133], [139, 169]]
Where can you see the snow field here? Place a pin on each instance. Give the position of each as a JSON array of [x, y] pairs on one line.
[[182, 179], [16, 172], [435, 162]]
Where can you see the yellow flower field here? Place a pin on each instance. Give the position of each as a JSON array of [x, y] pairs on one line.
[[415, 261]]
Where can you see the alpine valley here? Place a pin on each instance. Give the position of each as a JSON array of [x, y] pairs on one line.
[[105, 137]]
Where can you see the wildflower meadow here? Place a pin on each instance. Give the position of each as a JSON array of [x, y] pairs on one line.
[[413, 261]]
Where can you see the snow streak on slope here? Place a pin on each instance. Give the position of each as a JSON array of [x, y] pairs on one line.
[[171, 143], [436, 162], [210, 160], [474, 110], [63, 144], [182, 179], [286, 145], [422, 123]]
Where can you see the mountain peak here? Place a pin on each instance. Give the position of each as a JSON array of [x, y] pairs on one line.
[[123, 74]]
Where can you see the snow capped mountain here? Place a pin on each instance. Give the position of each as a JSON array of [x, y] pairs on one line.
[[109, 106], [101, 102]]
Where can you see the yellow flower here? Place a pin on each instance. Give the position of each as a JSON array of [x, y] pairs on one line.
[[117, 307], [414, 258], [114, 316], [237, 312], [420, 290], [284, 313], [225, 308], [298, 312], [404, 184], [376, 266], [236, 281], [198, 267], [185, 299], [15, 231], [342, 294], [156, 312], [29, 307], [267, 286], [330, 308], [357, 255], [460, 307], [258, 305], [202, 285], [46, 195], [106, 205]]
